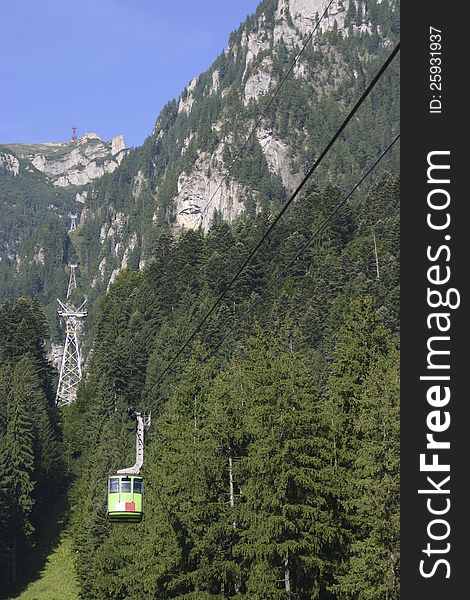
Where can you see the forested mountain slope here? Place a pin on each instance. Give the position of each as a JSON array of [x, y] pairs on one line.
[[40, 186], [299, 407], [33, 241], [31, 466], [271, 466], [192, 163]]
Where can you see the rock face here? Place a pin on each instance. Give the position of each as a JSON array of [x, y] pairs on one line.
[[259, 83], [117, 145], [200, 194], [277, 155], [81, 197], [183, 173], [74, 163], [207, 185], [10, 162], [39, 256], [55, 355]]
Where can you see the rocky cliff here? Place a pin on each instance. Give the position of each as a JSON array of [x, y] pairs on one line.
[[280, 26], [197, 160], [10, 163], [73, 163]]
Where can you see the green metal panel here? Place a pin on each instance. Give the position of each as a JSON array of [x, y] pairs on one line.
[[125, 489]]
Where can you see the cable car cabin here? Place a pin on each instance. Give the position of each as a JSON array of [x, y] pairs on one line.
[[125, 498]]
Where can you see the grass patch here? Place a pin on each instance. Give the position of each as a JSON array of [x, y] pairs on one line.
[[47, 571], [57, 580]]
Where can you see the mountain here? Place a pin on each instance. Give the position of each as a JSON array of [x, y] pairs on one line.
[[33, 242], [71, 163], [40, 186], [183, 173], [272, 461], [193, 164]]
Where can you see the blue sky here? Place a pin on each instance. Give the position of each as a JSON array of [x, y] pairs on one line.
[[103, 65]]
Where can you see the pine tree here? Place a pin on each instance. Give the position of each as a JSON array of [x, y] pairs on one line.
[[285, 521], [17, 465], [188, 476], [362, 340], [372, 572]]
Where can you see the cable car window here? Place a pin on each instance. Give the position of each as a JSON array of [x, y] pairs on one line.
[[125, 485], [137, 486], [114, 485]]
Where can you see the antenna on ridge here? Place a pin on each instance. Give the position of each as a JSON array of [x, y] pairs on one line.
[[74, 134]]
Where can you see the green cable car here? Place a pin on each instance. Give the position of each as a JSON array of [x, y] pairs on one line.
[[126, 488], [125, 498]]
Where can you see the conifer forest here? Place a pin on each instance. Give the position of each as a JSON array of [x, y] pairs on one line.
[[271, 464]]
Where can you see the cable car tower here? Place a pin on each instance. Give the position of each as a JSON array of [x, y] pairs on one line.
[[71, 365], [73, 224], [72, 281]]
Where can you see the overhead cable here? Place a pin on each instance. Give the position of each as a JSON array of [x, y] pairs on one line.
[[280, 214], [297, 255], [276, 92]]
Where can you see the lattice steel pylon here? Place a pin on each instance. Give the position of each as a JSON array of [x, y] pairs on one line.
[[72, 280], [71, 366], [73, 224]]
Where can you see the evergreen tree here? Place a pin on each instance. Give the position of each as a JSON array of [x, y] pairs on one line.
[[30, 466], [17, 466], [372, 572], [286, 523]]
